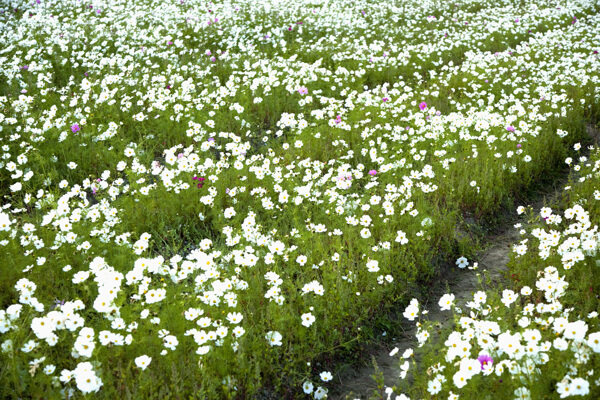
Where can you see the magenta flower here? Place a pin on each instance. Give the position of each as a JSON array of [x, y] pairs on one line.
[[518, 145], [485, 361], [303, 90], [423, 105], [385, 99], [510, 128], [372, 172], [75, 128]]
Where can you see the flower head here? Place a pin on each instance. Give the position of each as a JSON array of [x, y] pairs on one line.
[[486, 361]]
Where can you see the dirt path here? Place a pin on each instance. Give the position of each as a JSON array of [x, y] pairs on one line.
[[492, 267], [462, 283]]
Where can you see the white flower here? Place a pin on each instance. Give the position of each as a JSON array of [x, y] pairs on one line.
[[459, 379], [307, 387], [274, 338], [229, 212], [594, 341], [401, 237], [86, 379], [320, 393], [412, 311], [372, 265], [446, 302], [508, 297], [301, 259], [143, 361], [155, 295], [326, 376], [462, 262], [307, 319]]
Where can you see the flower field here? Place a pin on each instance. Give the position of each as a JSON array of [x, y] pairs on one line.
[[227, 199]]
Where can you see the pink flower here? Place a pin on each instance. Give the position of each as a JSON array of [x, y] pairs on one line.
[[75, 128], [303, 90], [423, 105], [372, 172], [510, 128], [385, 99], [485, 361]]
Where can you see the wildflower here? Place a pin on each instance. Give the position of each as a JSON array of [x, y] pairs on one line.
[[412, 311], [422, 105], [75, 128], [142, 362], [462, 262], [307, 387], [372, 172], [320, 393], [274, 338], [446, 301], [486, 361], [307, 319], [326, 376]]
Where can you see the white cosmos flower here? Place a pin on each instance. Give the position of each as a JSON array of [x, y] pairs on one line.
[[142, 362]]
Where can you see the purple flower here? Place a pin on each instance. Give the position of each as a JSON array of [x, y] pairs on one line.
[[75, 128], [303, 90], [211, 139], [485, 361], [385, 99], [423, 105], [510, 128], [372, 172], [518, 145]]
